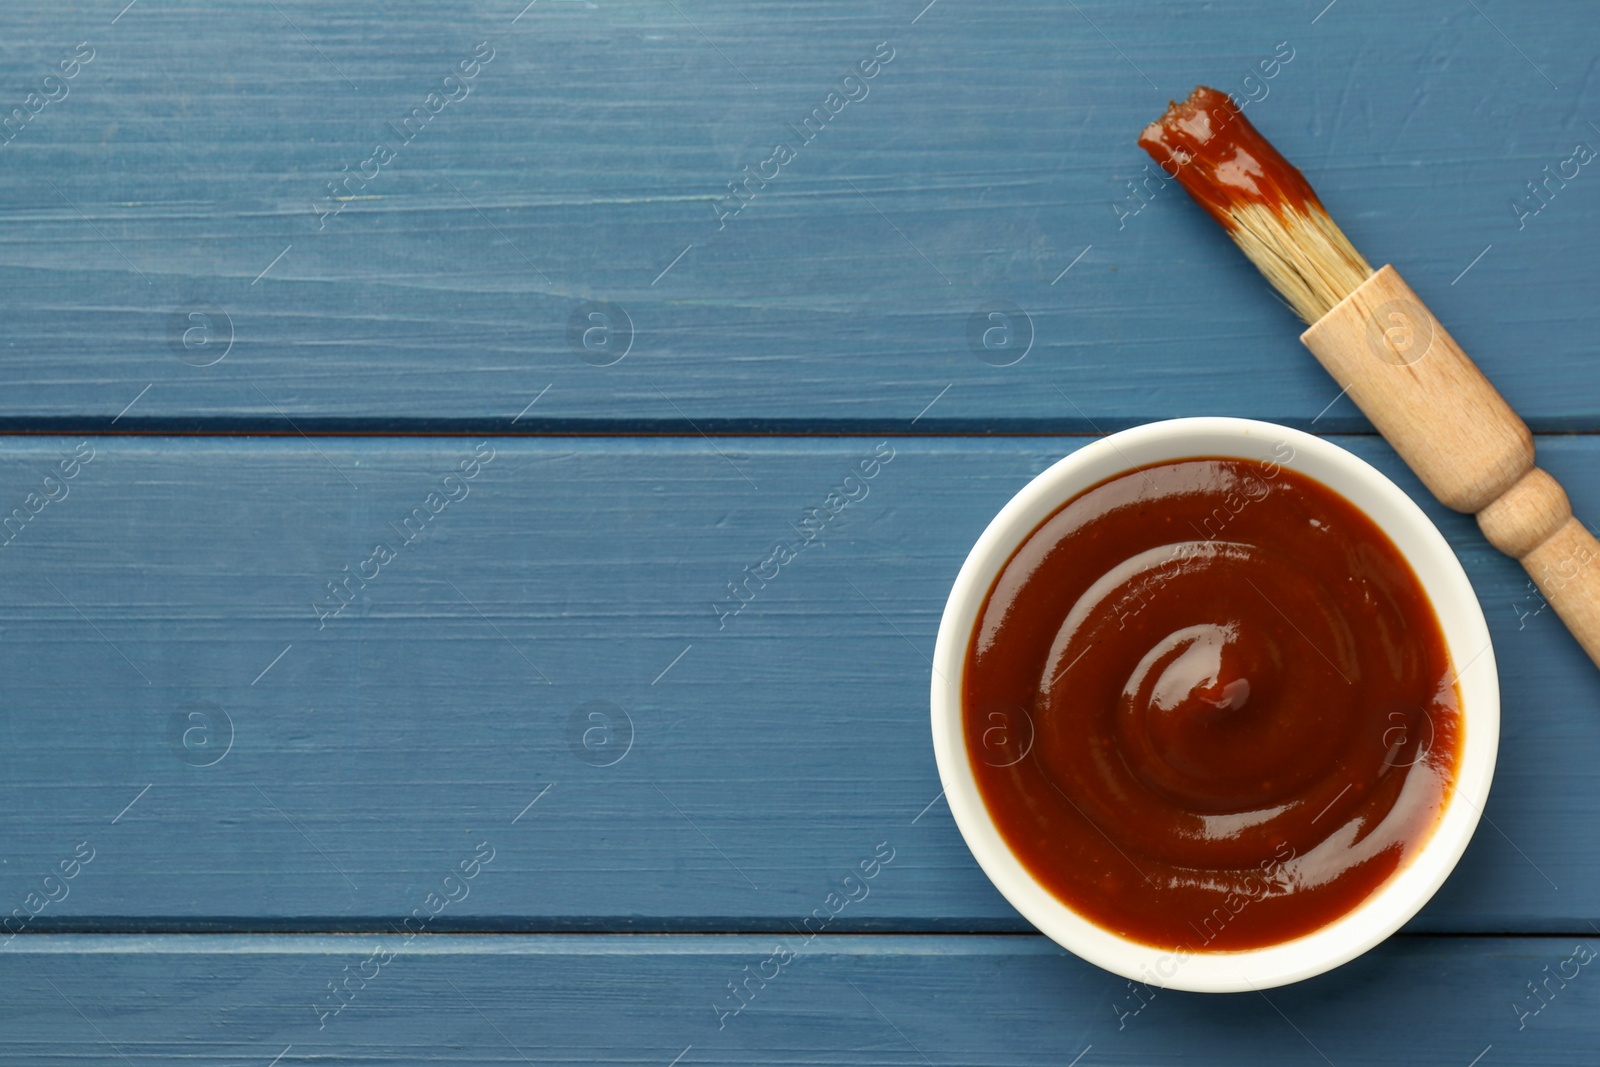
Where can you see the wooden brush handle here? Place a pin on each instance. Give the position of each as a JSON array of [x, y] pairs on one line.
[[1404, 370]]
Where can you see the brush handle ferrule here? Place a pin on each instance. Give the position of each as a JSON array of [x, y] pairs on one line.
[[1405, 371], [1402, 368]]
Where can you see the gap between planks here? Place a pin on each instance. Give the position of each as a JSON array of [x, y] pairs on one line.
[[607, 944]]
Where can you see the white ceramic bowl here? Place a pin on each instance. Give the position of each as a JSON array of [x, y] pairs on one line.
[[1466, 635]]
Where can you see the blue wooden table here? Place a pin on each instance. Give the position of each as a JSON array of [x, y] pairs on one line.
[[390, 398]]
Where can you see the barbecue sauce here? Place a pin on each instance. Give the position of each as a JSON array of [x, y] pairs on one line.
[[1209, 706]]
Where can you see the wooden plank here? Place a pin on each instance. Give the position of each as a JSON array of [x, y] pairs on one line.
[[184, 171], [602, 999], [164, 607]]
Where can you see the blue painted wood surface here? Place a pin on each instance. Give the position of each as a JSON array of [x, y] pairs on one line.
[[254, 783], [770, 749], [593, 149], [842, 1000]]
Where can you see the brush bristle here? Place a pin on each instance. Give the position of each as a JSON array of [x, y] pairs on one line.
[[1305, 256], [1263, 202]]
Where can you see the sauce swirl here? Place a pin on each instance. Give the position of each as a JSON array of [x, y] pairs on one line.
[[1208, 705]]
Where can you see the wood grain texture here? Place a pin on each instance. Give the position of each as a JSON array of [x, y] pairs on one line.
[[1566, 568], [768, 757], [169, 706], [194, 149], [1402, 368], [843, 1000]]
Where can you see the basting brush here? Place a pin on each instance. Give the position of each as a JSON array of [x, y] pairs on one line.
[[1397, 362]]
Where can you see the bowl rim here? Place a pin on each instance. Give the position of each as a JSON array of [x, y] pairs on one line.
[[1467, 640]]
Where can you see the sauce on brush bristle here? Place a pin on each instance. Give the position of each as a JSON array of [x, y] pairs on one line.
[[1222, 160], [1262, 202]]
